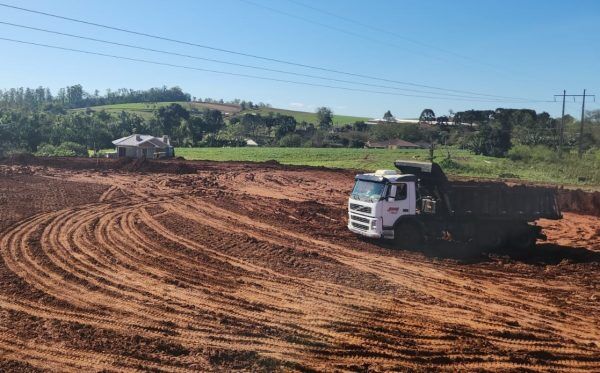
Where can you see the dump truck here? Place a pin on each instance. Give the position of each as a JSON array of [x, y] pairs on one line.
[[419, 205]]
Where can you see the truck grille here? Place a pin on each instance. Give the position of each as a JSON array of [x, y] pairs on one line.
[[360, 226], [360, 208], [359, 218]]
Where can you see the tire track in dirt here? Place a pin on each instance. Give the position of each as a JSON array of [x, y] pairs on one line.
[[431, 288], [212, 208], [210, 272]]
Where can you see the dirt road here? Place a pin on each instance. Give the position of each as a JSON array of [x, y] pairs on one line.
[[250, 267]]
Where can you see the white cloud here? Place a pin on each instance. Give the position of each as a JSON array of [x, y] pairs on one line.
[[297, 104]]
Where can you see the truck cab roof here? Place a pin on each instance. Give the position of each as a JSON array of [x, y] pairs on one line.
[[391, 176]]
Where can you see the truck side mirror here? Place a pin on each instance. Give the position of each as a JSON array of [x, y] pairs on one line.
[[391, 197]]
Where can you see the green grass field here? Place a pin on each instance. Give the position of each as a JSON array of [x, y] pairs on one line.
[[308, 117], [463, 163], [146, 111]]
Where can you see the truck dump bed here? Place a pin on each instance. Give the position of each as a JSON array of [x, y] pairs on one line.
[[498, 200], [483, 199]]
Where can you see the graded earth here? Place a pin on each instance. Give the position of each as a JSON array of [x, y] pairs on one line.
[[205, 266]]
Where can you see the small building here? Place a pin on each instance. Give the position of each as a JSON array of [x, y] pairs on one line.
[[376, 121], [392, 144], [144, 146]]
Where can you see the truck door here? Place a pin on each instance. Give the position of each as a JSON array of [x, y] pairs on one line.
[[395, 204]]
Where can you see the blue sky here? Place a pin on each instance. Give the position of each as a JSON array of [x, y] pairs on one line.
[[526, 49]]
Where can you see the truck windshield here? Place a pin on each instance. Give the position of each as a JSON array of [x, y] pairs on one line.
[[368, 191]]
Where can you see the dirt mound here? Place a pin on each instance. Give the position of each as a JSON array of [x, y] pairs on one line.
[[15, 170], [163, 166], [105, 164], [579, 201]]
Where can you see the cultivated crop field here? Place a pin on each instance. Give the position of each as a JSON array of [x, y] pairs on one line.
[[205, 266], [569, 170]]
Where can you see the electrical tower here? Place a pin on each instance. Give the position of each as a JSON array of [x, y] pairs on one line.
[[562, 121]]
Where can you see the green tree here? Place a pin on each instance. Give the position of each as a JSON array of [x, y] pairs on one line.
[[284, 125], [75, 95], [213, 120], [168, 119], [388, 117], [427, 115], [389, 131], [359, 126], [325, 118], [491, 140]]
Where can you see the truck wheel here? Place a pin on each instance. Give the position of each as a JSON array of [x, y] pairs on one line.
[[523, 241], [408, 236], [488, 239]]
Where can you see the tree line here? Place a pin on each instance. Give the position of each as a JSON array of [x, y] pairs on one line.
[[75, 96], [33, 120]]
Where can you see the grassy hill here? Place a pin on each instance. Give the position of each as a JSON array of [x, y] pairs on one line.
[[312, 117], [146, 109]]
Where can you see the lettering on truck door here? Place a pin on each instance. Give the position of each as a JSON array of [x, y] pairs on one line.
[[395, 204]]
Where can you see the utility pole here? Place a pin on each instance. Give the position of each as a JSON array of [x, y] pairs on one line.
[[561, 134], [581, 126], [562, 122]]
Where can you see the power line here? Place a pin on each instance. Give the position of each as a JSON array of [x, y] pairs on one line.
[[255, 56], [379, 29], [229, 73], [562, 125], [335, 28], [236, 64]]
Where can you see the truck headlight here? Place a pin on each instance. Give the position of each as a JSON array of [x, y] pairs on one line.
[[373, 224]]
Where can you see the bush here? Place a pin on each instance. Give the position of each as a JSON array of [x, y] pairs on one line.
[[537, 153], [448, 164], [519, 153], [389, 131], [215, 141], [66, 149], [356, 143], [16, 153], [77, 149], [291, 140], [354, 139]]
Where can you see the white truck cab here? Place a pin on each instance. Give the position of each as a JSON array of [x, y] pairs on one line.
[[378, 200]]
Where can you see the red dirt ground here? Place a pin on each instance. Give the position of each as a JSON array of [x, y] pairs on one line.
[[206, 266]]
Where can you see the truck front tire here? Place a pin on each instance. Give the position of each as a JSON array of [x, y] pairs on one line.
[[408, 236]]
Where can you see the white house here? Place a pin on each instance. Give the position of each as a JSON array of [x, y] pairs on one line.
[[144, 146]]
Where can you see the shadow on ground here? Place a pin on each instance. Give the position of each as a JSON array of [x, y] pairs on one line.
[[541, 254]]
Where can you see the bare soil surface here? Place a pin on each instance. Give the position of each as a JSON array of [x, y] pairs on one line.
[[204, 266]]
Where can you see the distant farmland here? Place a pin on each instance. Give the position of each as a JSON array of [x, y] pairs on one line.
[[146, 110], [312, 117], [462, 163]]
